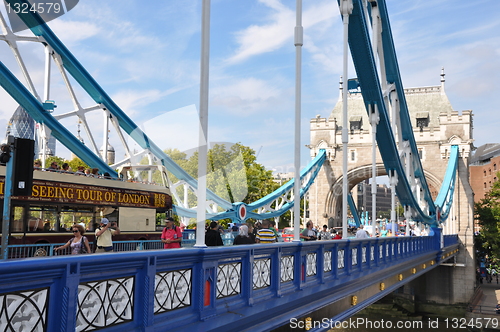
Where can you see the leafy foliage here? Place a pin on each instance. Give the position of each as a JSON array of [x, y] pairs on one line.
[[56, 159], [487, 212], [75, 162], [232, 173]]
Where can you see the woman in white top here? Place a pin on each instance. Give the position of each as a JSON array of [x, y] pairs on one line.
[[79, 244]]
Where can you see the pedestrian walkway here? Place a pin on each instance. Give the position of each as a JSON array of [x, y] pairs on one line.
[[490, 295], [483, 304]]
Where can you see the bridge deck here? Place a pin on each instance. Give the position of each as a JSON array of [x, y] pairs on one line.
[[254, 287]]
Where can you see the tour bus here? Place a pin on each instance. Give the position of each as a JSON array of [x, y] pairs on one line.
[[59, 200]]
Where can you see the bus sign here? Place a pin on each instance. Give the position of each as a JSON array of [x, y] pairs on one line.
[[50, 191]]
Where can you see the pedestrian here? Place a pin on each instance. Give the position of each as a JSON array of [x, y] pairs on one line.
[[95, 172], [384, 231], [338, 236], [361, 233], [66, 168], [80, 170], [265, 235], [258, 226], [53, 167], [309, 234], [171, 235], [79, 243], [243, 237], [251, 231], [212, 236], [324, 234], [272, 226], [104, 234]]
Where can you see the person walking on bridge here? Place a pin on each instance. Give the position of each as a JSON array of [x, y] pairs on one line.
[[309, 234], [265, 235], [104, 234], [362, 233], [171, 235], [79, 243], [212, 236]]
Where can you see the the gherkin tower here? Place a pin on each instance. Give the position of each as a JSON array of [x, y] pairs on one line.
[[22, 125]]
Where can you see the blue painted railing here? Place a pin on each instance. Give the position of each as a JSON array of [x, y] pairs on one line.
[[254, 287], [47, 249]]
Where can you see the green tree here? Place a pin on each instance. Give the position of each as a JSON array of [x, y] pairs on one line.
[[487, 212], [56, 159], [75, 162], [232, 172]]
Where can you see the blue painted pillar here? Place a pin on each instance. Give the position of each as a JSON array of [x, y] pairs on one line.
[[438, 241], [64, 300], [437, 235]]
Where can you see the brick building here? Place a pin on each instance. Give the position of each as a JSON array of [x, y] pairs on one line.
[[484, 169]]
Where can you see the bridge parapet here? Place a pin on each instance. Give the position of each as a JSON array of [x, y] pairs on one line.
[[208, 289]]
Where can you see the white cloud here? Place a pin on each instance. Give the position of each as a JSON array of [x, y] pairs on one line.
[[248, 96], [258, 39], [74, 31], [174, 129]]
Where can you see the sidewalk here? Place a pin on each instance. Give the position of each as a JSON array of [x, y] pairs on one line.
[[484, 306], [491, 295]]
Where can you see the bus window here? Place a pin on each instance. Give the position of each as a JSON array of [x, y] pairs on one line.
[[17, 222], [42, 219], [76, 215], [34, 224]]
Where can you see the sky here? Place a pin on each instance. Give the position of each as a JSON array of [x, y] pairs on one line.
[[146, 56]]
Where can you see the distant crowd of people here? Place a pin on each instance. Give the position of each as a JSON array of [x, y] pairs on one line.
[[65, 168], [261, 232]]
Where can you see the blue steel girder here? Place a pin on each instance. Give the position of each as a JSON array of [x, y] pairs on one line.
[[393, 76], [366, 69], [97, 93], [281, 198], [354, 211], [35, 108], [445, 197]]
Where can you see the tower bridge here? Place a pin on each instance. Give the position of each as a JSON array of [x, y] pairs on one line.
[[423, 145]]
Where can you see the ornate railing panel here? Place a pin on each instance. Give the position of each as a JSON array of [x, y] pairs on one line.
[[340, 259], [228, 279], [105, 303], [311, 264], [24, 311], [172, 290], [261, 273], [354, 255], [327, 261], [286, 268]]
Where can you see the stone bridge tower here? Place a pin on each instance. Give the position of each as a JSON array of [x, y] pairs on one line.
[[436, 126]]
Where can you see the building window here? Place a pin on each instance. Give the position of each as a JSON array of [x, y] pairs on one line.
[[422, 120], [420, 153], [484, 172], [490, 184], [485, 185], [494, 167], [355, 123], [353, 155], [489, 171]]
